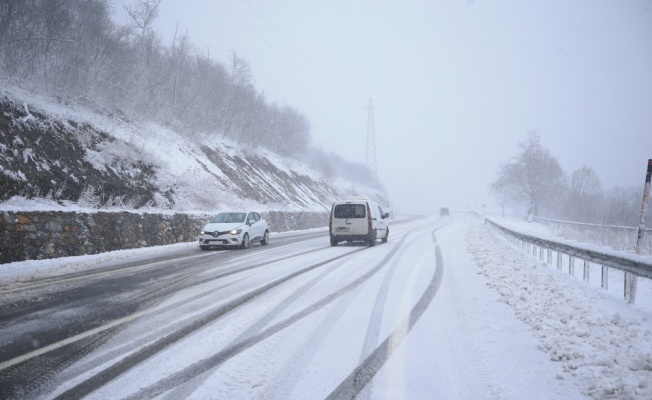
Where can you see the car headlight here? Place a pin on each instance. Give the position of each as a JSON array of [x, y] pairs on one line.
[[236, 231], [201, 232]]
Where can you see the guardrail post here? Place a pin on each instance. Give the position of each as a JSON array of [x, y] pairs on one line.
[[586, 271], [605, 278], [630, 287], [540, 253], [549, 256], [559, 257], [571, 265]]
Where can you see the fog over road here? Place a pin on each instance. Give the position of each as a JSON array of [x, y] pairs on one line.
[[412, 318]]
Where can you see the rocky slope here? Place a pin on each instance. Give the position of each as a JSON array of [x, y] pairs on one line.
[[73, 156]]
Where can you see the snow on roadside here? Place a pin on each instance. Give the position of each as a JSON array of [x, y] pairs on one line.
[[603, 342]]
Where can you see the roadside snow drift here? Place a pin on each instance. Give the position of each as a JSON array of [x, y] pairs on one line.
[[603, 342]]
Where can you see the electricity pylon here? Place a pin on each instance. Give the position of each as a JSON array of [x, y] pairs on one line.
[[371, 141]]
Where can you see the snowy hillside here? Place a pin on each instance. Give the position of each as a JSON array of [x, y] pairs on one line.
[[54, 156]]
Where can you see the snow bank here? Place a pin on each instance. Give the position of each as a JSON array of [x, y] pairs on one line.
[[603, 342]]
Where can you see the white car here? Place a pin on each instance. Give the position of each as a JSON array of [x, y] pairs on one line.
[[234, 228]]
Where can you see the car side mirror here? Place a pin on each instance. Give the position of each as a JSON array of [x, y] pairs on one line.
[[386, 215], [252, 221]]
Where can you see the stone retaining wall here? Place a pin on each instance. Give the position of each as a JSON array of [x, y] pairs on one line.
[[42, 235]]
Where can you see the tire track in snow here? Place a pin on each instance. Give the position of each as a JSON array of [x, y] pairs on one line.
[[373, 329], [103, 377], [325, 327], [141, 339], [364, 373], [217, 359], [146, 304], [185, 390], [290, 375], [58, 351]]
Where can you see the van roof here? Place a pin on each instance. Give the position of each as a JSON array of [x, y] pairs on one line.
[[351, 201]]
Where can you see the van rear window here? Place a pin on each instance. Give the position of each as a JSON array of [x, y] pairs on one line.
[[350, 211]]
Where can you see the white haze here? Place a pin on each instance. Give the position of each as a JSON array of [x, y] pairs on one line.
[[456, 85]]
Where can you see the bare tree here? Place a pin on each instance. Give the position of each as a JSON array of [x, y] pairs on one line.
[[504, 191], [584, 195], [621, 206], [533, 176], [294, 131], [142, 14], [240, 70]]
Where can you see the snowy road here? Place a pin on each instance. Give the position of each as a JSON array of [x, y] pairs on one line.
[[423, 316]]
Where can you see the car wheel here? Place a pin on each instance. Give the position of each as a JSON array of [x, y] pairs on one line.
[[372, 240], [204, 247], [384, 240], [245, 241], [333, 241], [265, 238]]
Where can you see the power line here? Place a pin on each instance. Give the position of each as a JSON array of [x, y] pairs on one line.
[[286, 40], [295, 48], [262, 38]]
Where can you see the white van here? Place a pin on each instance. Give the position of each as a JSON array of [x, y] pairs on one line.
[[357, 219]]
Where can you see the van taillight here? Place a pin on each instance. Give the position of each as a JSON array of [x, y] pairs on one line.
[[330, 220], [369, 219]]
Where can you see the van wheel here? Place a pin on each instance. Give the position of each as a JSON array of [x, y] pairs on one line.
[[384, 240], [372, 240], [265, 238], [333, 241]]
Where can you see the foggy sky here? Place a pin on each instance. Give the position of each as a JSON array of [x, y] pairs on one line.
[[455, 85]]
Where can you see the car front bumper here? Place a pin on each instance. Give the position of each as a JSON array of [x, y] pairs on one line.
[[222, 240]]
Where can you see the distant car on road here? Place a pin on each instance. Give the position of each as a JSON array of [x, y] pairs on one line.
[[443, 211], [234, 229]]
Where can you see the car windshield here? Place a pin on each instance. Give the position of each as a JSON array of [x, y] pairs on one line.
[[229, 217]]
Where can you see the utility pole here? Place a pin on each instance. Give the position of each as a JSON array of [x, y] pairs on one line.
[[631, 279], [371, 141]]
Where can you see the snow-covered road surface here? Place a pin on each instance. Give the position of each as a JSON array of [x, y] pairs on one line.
[[446, 310]]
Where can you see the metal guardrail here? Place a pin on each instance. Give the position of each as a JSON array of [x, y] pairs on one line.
[[616, 236], [588, 225], [637, 265]]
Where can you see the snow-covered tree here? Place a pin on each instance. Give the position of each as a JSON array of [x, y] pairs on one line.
[[584, 195], [622, 206], [73, 51], [533, 177]]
